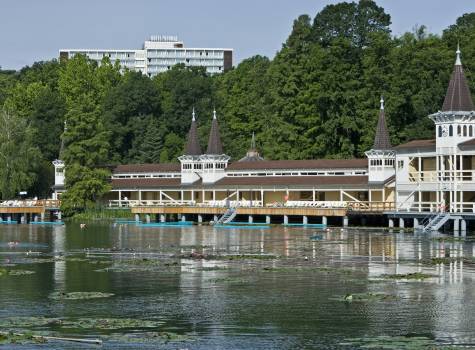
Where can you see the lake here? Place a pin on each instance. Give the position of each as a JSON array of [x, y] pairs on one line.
[[199, 287]]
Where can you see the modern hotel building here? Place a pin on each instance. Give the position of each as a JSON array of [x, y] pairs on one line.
[[159, 54]]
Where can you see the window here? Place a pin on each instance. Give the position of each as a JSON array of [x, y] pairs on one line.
[[440, 131], [470, 131], [451, 130], [400, 164], [459, 130], [465, 130]]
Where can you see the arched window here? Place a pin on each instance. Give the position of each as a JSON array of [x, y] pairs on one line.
[[470, 131], [440, 131], [465, 130], [459, 130], [451, 130]]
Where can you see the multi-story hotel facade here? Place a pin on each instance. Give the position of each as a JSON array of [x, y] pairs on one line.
[[159, 54], [422, 183]]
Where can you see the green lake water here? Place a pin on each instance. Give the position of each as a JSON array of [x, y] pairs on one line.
[[200, 287]]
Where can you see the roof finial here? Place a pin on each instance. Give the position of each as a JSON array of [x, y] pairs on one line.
[[382, 103], [193, 118], [458, 61], [214, 113]]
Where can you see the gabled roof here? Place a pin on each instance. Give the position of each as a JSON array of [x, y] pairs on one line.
[[192, 147], [252, 154], [469, 143], [301, 164], [458, 97], [381, 139], [145, 183], [426, 145], [292, 180], [147, 168], [214, 141]]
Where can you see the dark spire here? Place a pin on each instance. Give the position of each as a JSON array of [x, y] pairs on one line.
[[252, 154], [214, 141], [381, 139], [61, 148], [192, 147], [458, 97]]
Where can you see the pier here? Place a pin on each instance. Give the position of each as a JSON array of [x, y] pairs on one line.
[[26, 211]]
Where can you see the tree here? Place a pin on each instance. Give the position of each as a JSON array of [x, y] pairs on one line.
[[18, 155], [352, 21], [86, 139]]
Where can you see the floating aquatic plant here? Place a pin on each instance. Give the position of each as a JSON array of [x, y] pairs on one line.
[[79, 295], [366, 297], [20, 272], [409, 276], [392, 343]]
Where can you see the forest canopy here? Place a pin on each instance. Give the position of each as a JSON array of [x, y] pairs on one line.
[[317, 98]]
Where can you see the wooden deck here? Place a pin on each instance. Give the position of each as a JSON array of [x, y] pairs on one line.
[[29, 207], [241, 211]]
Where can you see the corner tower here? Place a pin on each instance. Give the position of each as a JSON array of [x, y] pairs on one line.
[[191, 167], [214, 161], [455, 122], [59, 167], [381, 157]]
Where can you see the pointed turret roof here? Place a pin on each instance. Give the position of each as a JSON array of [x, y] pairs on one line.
[[458, 97], [252, 154], [61, 148], [214, 141], [381, 139], [192, 147]]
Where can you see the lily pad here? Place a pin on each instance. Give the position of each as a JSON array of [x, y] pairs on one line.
[[20, 272], [388, 342], [366, 297], [150, 337], [3, 272], [409, 276], [110, 323], [16, 338], [28, 322], [79, 295]]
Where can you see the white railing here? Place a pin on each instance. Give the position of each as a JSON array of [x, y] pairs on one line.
[[48, 203], [441, 176], [148, 203], [311, 204]]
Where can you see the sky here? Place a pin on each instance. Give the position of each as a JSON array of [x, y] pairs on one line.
[[35, 30]]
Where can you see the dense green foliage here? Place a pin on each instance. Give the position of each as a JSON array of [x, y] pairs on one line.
[[318, 97]]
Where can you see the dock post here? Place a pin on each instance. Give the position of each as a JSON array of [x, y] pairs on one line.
[[215, 218], [305, 220], [35, 217], [200, 218], [345, 221], [147, 218], [267, 219], [163, 218], [183, 217], [401, 223], [456, 227], [60, 215], [416, 223], [363, 221], [324, 220], [42, 216], [251, 219], [137, 218], [463, 227], [23, 218], [9, 217], [286, 220], [391, 223]]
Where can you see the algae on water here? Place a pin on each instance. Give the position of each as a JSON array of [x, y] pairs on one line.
[[79, 295]]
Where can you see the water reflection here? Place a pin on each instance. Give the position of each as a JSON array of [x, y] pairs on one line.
[[218, 300]]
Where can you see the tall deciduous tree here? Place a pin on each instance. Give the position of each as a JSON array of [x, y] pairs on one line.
[[18, 155], [86, 138]]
